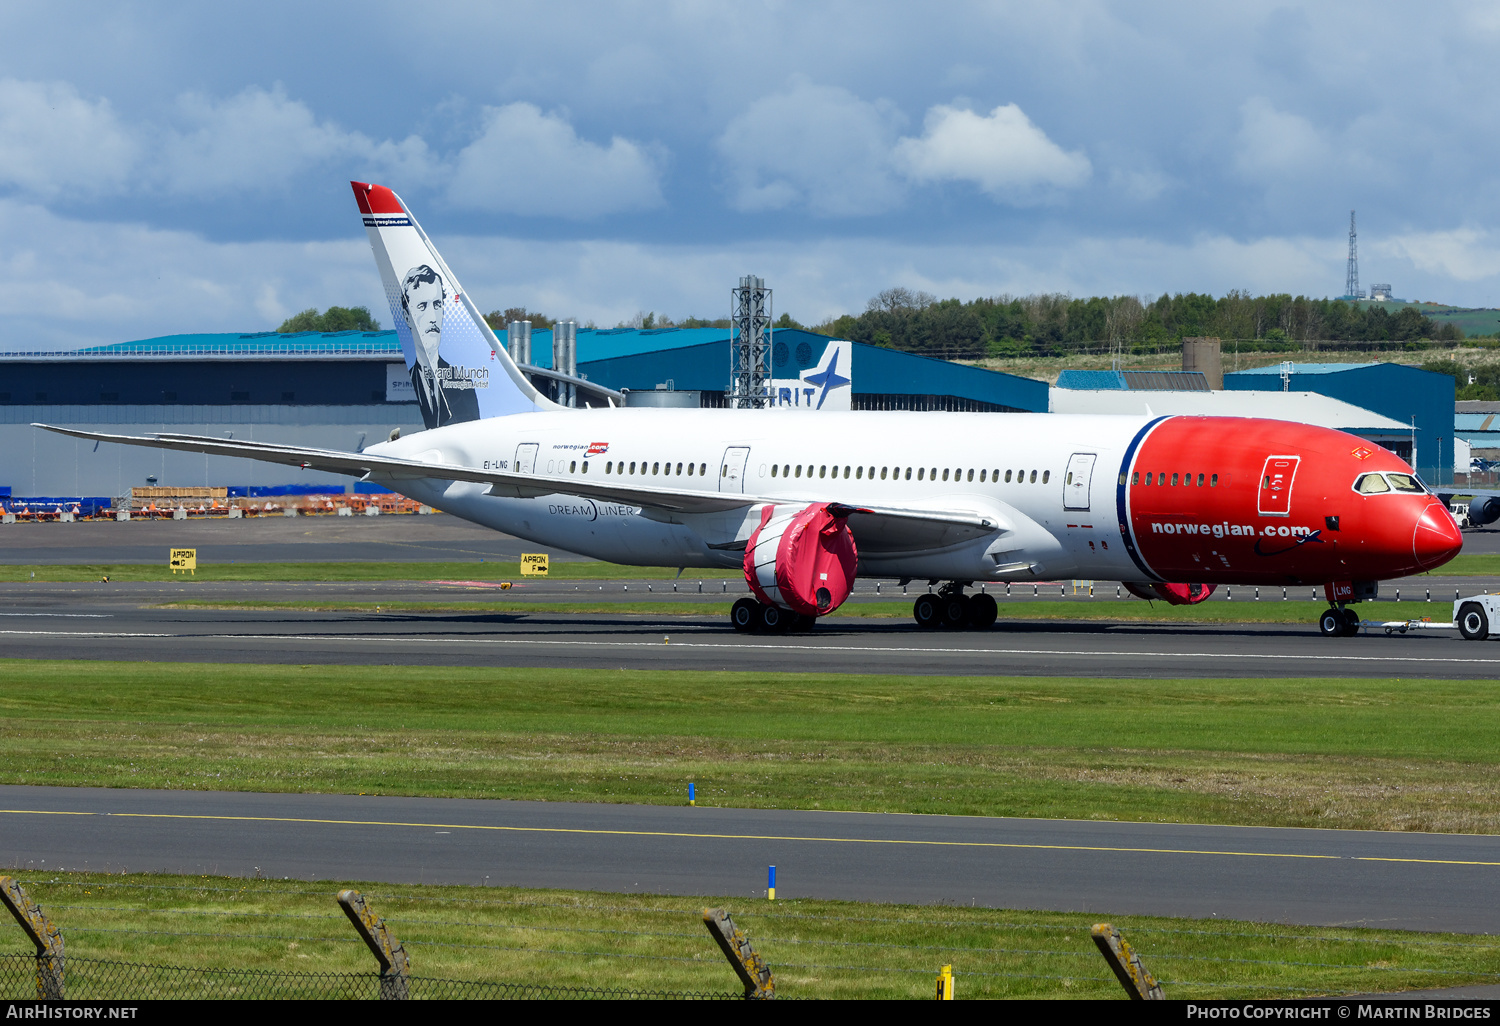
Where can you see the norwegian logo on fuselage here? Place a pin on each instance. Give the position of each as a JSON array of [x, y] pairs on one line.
[[597, 449]]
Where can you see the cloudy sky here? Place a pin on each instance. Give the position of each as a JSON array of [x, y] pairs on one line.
[[183, 167]]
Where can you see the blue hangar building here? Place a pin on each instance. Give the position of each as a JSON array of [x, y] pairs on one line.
[[343, 390], [1422, 399]]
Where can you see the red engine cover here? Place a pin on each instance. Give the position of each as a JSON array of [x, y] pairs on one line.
[[803, 560], [1175, 594]]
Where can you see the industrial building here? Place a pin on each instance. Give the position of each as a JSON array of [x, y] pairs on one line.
[[344, 390], [1421, 401]]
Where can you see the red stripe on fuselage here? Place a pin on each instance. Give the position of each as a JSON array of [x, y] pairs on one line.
[[1213, 510]]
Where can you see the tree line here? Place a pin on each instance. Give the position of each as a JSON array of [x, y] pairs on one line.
[[1056, 324]]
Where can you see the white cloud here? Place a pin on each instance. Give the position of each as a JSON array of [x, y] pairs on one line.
[[1273, 145], [53, 141], [262, 140], [1003, 153], [1465, 254], [527, 162], [816, 146]]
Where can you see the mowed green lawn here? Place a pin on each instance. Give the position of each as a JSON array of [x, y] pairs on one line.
[[1390, 754], [816, 949], [1462, 566], [1128, 609]]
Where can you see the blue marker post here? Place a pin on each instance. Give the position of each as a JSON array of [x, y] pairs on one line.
[[771, 884], [692, 798]]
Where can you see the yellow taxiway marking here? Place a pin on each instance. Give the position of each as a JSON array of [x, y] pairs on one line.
[[689, 835]]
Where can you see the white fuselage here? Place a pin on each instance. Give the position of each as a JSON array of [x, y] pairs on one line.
[[1009, 468]]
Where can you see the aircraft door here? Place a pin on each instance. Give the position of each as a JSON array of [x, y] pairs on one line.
[[732, 469], [526, 458], [1276, 486], [1076, 482]]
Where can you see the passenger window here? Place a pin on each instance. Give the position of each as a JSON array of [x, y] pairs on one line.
[[585, 466], [921, 471], [690, 470], [971, 475], [703, 468], [846, 473], [609, 468], [799, 470], [679, 470], [573, 467], [882, 473], [1046, 476], [945, 473], [632, 467], [1371, 484], [1405, 483], [774, 469], [982, 473], [823, 471], [1200, 480], [1213, 482], [859, 473], [994, 475], [786, 471], [1174, 480], [908, 473], [1033, 477], [1007, 477], [655, 467]]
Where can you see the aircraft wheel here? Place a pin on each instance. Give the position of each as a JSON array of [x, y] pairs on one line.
[[1331, 623], [982, 612], [774, 619], [1473, 624], [745, 615], [954, 611], [925, 611], [1351, 623]]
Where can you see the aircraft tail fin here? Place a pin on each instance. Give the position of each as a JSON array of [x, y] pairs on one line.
[[459, 370]]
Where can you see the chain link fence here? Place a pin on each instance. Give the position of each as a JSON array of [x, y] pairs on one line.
[[88, 979]]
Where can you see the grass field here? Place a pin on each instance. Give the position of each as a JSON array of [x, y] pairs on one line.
[[1128, 610], [1462, 566], [1378, 754], [816, 949], [493, 571]]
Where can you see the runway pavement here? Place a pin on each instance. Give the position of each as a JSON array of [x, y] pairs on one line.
[[103, 622], [1445, 882]]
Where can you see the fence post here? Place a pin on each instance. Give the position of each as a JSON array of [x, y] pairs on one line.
[[750, 967], [945, 984], [394, 969], [1138, 983], [47, 938]]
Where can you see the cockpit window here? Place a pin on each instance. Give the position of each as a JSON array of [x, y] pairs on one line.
[[1405, 483], [1370, 484]]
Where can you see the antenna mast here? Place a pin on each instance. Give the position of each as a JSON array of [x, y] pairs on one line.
[[1351, 283]]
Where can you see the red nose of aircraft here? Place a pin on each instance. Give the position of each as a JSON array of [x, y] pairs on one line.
[[1436, 538]]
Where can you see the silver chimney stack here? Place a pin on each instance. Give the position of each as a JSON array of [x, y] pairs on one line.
[[565, 357], [518, 341]]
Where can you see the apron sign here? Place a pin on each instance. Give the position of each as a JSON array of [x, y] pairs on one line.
[[184, 561], [533, 564]]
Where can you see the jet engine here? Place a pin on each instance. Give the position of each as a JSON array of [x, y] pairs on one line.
[[1175, 594], [802, 559], [1484, 510]]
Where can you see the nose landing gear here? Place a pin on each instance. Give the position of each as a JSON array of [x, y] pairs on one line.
[[952, 609], [1338, 622]]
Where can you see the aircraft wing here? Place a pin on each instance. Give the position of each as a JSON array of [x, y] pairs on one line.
[[879, 528]]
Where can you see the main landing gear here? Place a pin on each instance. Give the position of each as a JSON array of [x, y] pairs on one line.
[[952, 609], [749, 616], [1338, 622]]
